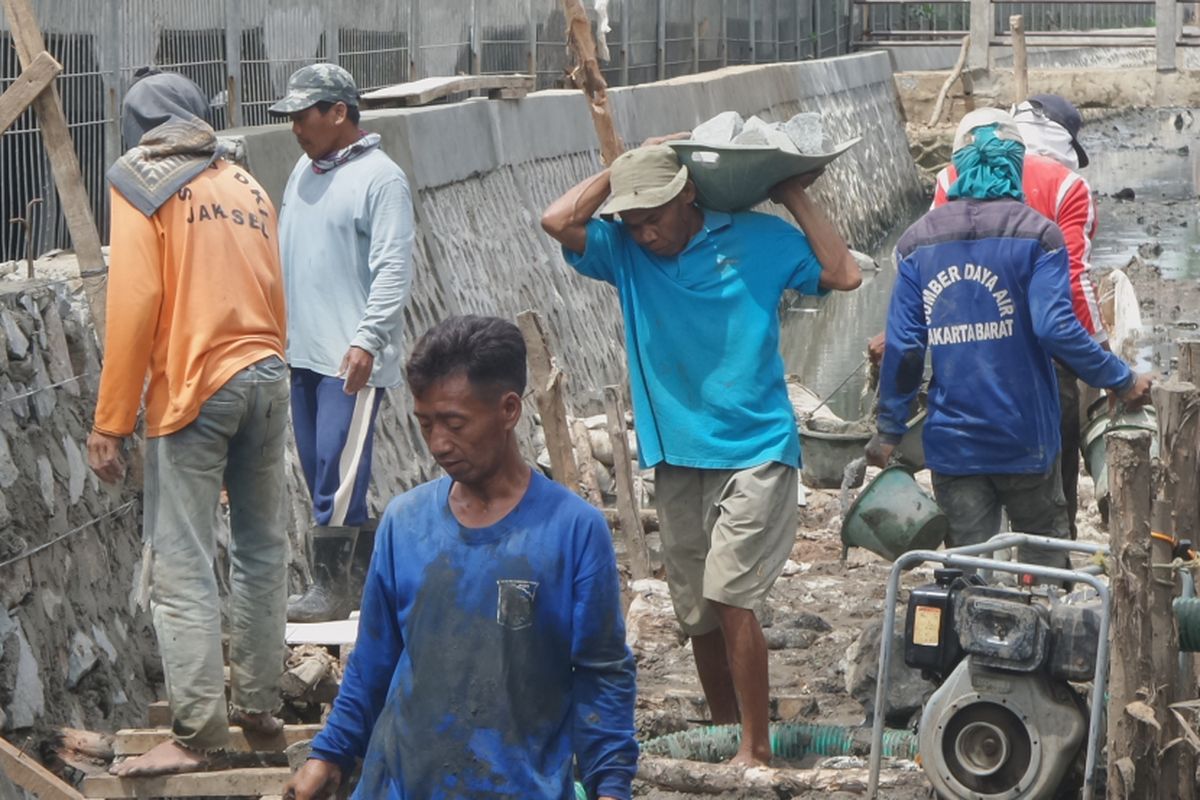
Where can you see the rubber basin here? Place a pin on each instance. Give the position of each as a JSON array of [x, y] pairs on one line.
[[893, 515], [825, 454]]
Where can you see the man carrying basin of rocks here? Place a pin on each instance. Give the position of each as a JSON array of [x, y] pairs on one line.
[[983, 283], [491, 657], [193, 235], [700, 292]]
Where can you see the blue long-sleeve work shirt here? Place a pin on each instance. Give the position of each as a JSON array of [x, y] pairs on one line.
[[984, 286], [488, 657]]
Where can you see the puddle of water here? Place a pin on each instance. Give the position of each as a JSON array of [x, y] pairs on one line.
[[1174, 226]]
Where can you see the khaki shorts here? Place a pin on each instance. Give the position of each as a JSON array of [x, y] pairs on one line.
[[726, 535]]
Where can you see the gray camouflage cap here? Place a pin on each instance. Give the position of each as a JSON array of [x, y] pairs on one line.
[[316, 83]]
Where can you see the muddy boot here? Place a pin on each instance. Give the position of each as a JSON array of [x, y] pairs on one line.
[[327, 597]]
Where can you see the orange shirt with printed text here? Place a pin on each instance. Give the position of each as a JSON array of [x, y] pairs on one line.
[[195, 294]]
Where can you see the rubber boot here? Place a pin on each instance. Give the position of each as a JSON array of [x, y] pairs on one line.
[[327, 597]]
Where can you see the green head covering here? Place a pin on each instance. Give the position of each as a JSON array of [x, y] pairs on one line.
[[989, 167]]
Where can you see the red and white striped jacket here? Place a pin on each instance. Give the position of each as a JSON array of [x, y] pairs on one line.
[[1062, 195]]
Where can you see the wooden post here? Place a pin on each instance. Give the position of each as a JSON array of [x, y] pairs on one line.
[[627, 510], [1178, 406], [1016, 26], [533, 41], [954, 73], [476, 44], [581, 43], [233, 62], [1187, 369], [588, 486], [660, 36], [28, 41], [1132, 744], [1166, 34], [981, 34], [548, 391]]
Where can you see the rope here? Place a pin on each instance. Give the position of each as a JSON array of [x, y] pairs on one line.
[[34, 551]]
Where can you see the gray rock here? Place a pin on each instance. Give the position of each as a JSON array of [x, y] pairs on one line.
[[8, 468], [907, 690], [18, 342], [806, 132], [58, 355], [29, 698], [46, 482], [81, 657], [105, 643], [721, 129], [77, 470], [45, 400], [804, 620], [788, 639]]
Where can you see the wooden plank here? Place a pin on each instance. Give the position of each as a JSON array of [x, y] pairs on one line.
[[338, 632], [627, 510], [72, 194], [135, 741], [25, 771], [548, 391], [28, 85], [250, 782], [426, 90]]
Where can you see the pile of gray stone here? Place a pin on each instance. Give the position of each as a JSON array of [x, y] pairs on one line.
[[803, 134]]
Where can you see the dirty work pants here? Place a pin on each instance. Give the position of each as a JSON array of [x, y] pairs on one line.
[[334, 436], [1068, 400], [236, 441], [1035, 504]]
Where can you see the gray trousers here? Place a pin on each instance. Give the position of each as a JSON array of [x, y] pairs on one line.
[[237, 442], [1034, 503]]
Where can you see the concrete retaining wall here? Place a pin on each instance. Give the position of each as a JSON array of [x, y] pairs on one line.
[[482, 171]]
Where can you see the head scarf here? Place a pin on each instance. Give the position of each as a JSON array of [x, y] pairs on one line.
[[164, 121], [988, 167], [1045, 137]]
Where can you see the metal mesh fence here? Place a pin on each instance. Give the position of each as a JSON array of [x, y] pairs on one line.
[[921, 20], [241, 52]]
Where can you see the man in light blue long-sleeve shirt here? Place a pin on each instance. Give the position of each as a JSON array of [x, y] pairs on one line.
[[346, 234]]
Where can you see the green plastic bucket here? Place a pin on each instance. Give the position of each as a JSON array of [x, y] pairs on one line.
[[1095, 455], [893, 515]]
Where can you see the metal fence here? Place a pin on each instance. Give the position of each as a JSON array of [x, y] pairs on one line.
[[241, 53], [919, 21]]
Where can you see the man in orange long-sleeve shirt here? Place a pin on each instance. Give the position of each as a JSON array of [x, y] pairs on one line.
[[195, 299]]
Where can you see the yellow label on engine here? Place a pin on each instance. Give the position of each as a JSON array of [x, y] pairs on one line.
[[927, 626]]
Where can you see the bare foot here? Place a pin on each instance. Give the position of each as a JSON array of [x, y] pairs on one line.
[[262, 723], [745, 758], [165, 758]]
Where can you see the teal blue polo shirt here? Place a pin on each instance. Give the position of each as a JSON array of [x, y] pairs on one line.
[[702, 337]]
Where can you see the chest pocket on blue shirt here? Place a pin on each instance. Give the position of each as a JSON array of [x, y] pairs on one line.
[[514, 603]]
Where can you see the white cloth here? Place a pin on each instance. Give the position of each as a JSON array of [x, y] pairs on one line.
[[1043, 136]]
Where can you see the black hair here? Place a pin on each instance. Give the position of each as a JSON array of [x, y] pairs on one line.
[[490, 350], [352, 114]]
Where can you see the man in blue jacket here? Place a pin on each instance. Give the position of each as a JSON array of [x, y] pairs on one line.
[[983, 283], [491, 657]]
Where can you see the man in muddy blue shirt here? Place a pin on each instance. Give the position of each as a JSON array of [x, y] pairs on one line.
[[491, 655]]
